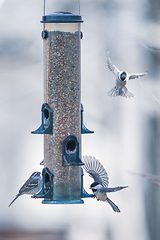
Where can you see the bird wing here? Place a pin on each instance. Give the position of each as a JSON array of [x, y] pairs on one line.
[[95, 170], [136, 75], [115, 189], [112, 67], [28, 185]]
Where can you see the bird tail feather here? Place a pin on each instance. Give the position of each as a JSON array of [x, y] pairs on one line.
[[113, 92], [124, 92], [113, 205], [14, 200]]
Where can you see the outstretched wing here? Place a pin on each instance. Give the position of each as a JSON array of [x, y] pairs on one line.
[[95, 170], [115, 189], [136, 75], [112, 67]]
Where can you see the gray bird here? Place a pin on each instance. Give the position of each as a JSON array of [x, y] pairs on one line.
[[122, 78], [100, 185], [31, 186]]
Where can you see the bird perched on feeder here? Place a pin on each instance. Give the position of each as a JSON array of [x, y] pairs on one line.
[[122, 78], [31, 186], [100, 185]]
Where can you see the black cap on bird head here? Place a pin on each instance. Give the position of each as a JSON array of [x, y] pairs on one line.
[[123, 76], [94, 185]]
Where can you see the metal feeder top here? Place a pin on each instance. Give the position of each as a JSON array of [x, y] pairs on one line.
[[61, 17]]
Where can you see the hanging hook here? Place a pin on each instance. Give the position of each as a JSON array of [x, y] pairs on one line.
[[79, 11], [44, 8], [44, 11]]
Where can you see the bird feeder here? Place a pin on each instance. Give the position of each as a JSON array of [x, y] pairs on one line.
[[62, 121]]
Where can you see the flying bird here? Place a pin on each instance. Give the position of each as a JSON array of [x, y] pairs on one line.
[[31, 186], [100, 185], [122, 78]]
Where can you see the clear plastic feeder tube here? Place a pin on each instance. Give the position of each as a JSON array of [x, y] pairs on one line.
[[62, 84]]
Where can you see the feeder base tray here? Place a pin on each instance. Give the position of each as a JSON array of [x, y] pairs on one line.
[[63, 201]]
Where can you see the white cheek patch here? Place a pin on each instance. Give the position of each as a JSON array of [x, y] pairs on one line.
[[97, 187]]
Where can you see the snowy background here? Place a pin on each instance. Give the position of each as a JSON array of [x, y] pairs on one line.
[[126, 131]]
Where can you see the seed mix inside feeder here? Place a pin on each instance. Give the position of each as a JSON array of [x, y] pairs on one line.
[[62, 174]]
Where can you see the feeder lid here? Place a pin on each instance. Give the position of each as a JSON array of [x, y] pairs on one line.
[[61, 17]]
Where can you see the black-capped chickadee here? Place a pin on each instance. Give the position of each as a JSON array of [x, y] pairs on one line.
[[121, 80], [100, 185]]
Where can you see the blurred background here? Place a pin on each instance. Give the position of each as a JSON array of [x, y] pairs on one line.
[[126, 131]]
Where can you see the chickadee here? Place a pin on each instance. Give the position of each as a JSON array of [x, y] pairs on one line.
[[100, 185], [121, 80], [31, 186]]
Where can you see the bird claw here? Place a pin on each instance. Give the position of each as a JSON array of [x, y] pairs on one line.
[[93, 196], [34, 196]]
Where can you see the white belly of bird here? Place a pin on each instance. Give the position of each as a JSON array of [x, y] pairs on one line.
[[120, 83], [101, 196]]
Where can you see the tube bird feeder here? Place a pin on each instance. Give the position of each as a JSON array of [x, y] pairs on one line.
[[62, 111]]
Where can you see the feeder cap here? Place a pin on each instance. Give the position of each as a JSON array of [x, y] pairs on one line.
[[61, 17]]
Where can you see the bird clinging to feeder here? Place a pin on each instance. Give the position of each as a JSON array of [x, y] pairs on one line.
[[31, 186], [100, 185]]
